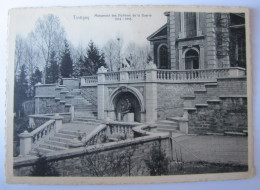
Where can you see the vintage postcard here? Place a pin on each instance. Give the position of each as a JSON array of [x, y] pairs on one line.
[[128, 94]]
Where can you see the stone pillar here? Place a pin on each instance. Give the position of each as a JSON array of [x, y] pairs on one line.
[[58, 122], [172, 41], [211, 40], [151, 96], [37, 106], [101, 93], [202, 55], [181, 61], [72, 111], [25, 143]]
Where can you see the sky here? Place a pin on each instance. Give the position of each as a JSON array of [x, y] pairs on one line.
[[97, 24]]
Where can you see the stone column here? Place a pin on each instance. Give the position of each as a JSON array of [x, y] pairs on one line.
[[58, 122], [211, 40], [172, 41], [72, 111], [25, 143], [151, 96], [181, 62], [202, 61], [101, 93]]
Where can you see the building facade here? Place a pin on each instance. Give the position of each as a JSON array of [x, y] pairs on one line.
[[193, 40]]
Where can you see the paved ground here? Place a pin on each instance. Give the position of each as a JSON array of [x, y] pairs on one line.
[[79, 126], [217, 149]]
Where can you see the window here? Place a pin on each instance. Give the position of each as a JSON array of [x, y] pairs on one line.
[[190, 24], [163, 57]]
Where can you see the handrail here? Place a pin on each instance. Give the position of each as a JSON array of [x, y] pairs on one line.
[[92, 137], [42, 127]]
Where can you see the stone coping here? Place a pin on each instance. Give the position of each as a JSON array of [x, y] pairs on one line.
[[59, 155], [45, 96], [233, 96], [43, 85], [70, 78], [122, 123], [49, 116]]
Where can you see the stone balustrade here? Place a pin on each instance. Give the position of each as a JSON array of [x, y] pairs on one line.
[[112, 76], [159, 75], [199, 74], [89, 80], [122, 129], [96, 136], [28, 141]]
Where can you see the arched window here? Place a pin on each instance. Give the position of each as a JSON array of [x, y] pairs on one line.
[[163, 57], [191, 59]]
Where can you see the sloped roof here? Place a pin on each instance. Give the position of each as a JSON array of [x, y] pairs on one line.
[[158, 34]]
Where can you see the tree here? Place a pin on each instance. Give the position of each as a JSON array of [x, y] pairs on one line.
[[66, 62], [48, 36], [77, 66], [157, 162], [43, 168], [36, 77], [137, 56], [19, 53], [20, 90], [94, 60], [52, 70], [111, 55]]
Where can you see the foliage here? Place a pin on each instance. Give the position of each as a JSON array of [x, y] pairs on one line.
[[20, 90], [93, 60], [157, 162], [43, 168], [66, 62], [36, 77], [52, 70], [77, 66], [48, 36], [109, 164]]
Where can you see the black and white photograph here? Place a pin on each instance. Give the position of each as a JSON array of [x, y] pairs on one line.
[[129, 91]]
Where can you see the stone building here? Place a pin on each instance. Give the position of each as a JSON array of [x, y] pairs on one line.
[[193, 40], [197, 84]]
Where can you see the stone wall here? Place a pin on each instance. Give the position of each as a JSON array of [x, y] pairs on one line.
[[169, 96], [169, 101], [49, 105], [74, 161], [90, 93], [71, 83], [45, 90], [228, 115]]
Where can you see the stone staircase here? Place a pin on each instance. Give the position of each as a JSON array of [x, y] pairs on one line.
[[167, 126], [66, 138], [85, 120], [203, 108]]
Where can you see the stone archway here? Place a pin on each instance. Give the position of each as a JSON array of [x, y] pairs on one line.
[[192, 59], [127, 107], [127, 104]]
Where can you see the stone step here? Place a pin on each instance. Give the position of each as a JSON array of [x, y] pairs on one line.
[[66, 136], [67, 132], [60, 139], [52, 147], [56, 143], [234, 133], [166, 122], [87, 122], [168, 130]]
